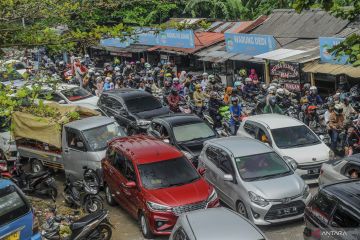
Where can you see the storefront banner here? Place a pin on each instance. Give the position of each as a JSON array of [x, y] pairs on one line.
[[325, 44], [168, 38], [287, 73], [249, 44], [115, 42]]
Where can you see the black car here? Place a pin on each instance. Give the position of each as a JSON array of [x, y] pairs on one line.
[[132, 108], [334, 213], [187, 132]]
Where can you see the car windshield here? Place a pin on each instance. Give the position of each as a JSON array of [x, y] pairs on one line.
[[192, 131], [76, 93], [10, 76], [142, 104], [98, 137], [296, 136], [261, 166], [169, 173], [12, 205]]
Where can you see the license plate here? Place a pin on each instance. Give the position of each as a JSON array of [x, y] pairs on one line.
[[314, 171], [13, 236], [287, 211]]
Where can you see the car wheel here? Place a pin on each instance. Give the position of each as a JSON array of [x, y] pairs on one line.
[[144, 226], [109, 197], [37, 166], [240, 208]]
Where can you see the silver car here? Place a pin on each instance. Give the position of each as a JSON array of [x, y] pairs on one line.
[[341, 169], [204, 225], [254, 180]]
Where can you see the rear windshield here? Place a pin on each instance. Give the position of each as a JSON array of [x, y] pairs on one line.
[[142, 104], [12, 205]]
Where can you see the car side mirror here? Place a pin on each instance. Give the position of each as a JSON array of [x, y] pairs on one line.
[[202, 171], [130, 184], [228, 178], [61, 102], [80, 145]]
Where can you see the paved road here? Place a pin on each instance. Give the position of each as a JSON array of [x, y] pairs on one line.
[[126, 228]]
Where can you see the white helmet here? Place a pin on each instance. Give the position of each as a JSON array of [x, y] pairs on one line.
[[175, 80], [313, 89], [91, 70], [274, 85], [247, 80], [117, 69], [271, 90], [205, 74], [108, 79], [280, 91], [264, 86]]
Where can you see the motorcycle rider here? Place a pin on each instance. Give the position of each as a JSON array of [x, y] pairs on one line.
[[177, 84], [235, 111], [314, 97], [199, 98], [249, 88], [272, 106], [211, 85], [173, 100], [271, 93], [214, 104], [311, 116], [204, 80], [281, 98], [227, 95], [166, 90], [352, 142], [348, 110], [336, 125]]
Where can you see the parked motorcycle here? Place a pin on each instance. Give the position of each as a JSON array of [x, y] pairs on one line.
[[40, 183], [83, 193], [93, 226]]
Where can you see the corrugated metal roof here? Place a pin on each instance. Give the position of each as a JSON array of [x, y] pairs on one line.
[[279, 54], [334, 69], [287, 23], [348, 31], [202, 40]]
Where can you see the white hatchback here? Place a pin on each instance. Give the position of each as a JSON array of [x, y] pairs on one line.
[[292, 139]]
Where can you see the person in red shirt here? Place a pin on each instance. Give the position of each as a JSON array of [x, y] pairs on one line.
[[173, 100]]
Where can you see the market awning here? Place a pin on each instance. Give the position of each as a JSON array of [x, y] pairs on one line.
[[216, 56], [279, 54], [333, 69]]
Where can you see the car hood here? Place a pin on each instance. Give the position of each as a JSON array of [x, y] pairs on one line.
[[181, 195], [15, 83], [91, 100], [308, 154], [5, 135], [277, 188], [148, 115]]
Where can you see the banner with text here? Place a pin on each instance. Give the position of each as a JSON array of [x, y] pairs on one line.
[[287, 73], [325, 44], [168, 38], [249, 44]]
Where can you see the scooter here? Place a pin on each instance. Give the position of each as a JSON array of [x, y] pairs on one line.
[[93, 226], [41, 183], [83, 193]]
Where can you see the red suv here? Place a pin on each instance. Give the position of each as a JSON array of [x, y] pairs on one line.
[[154, 182]]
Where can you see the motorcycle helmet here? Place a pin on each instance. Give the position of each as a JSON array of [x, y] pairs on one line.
[[197, 86], [264, 87], [271, 90], [242, 72], [211, 78], [306, 87], [313, 90], [117, 69], [205, 74], [176, 80], [213, 94], [237, 83], [280, 92], [338, 109], [234, 100], [174, 91], [311, 109], [147, 65], [248, 80]]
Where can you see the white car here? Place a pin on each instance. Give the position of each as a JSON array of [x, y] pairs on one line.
[[19, 66], [70, 94], [292, 139], [7, 144]]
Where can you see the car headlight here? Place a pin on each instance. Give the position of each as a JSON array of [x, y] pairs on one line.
[[291, 161], [258, 200], [306, 191], [158, 207], [142, 122], [213, 196], [331, 155], [187, 154]]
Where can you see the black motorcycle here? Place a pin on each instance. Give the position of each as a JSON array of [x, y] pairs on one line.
[[83, 193], [94, 226], [40, 183]]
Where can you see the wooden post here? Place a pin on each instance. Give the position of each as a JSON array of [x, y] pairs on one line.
[[267, 72], [312, 79]]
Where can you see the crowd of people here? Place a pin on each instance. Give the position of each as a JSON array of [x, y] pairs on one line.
[[337, 114]]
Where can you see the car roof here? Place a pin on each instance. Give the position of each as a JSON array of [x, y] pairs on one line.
[[241, 146], [4, 183], [274, 121], [221, 223], [179, 119], [90, 122], [145, 149], [126, 93], [347, 191]]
